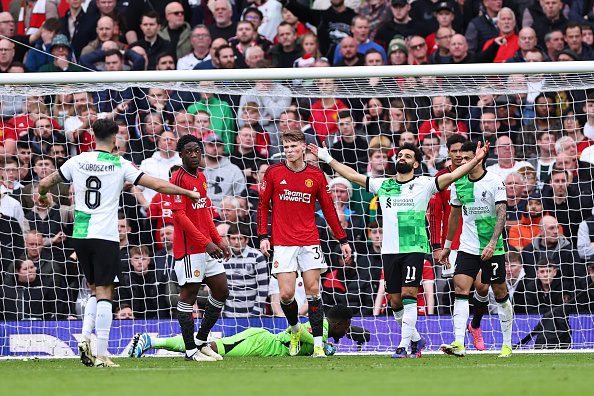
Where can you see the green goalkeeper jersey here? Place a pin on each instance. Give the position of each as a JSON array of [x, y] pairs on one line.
[[261, 342]]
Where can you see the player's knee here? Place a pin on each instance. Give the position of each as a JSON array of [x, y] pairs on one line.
[[500, 291], [461, 289], [287, 297], [395, 304], [408, 297]]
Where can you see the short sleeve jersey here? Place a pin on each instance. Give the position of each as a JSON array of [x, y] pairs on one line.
[[98, 178], [478, 199], [404, 210]]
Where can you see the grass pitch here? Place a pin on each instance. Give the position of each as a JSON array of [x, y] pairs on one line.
[[542, 375]]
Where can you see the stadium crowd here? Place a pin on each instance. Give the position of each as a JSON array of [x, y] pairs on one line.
[[542, 142]]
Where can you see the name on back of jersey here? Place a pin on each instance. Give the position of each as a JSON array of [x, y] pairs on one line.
[[295, 196], [96, 167]]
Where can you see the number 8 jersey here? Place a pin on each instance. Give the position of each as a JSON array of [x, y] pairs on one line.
[[98, 178]]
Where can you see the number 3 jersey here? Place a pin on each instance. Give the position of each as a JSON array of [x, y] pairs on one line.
[[404, 209], [478, 199], [98, 178]]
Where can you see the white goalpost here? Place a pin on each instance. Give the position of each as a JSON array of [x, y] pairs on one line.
[[535, 115]]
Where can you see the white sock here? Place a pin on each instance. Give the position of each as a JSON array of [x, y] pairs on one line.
[[318, 341], [506, 316], [409, 323], [295, 328], [89, 317], [461, 314], [398, 315], [103, 325], [191, 352]]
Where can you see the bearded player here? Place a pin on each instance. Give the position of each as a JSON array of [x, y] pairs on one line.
[[403, 200], [481, 201], [439, 212], [293, 187], [197, 248]]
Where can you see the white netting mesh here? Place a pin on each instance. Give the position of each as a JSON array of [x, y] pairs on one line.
[[44, 124]]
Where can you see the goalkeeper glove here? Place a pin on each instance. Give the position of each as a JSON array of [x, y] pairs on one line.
[[324, 155], [329, 349]]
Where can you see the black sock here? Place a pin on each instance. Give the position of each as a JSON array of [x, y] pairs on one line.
[[291, 311], [211, 315], [480, 309], [186, 323], [316, 315]]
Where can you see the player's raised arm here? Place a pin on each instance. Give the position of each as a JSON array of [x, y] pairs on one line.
[[165, 187], [45, 184], [443, 181], [345, 171]]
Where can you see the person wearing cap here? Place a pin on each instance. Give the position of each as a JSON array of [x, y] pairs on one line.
[[401, 24], [444, 15], [223, 177], [427, 12], [61, 52], [397, 51], [342, 192]]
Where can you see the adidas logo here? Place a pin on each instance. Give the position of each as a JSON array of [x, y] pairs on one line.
[[283, 182]]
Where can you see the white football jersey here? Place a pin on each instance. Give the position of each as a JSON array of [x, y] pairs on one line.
[[478, 199], [98, 178], [404, 209]]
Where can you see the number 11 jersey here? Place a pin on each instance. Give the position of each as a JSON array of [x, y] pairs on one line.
[[98, 178]]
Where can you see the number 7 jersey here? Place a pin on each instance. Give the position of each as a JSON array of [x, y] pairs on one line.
[[98, 178]]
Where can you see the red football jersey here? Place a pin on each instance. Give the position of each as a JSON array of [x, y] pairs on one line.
[[439, 214], [192, 221], [293, 196]]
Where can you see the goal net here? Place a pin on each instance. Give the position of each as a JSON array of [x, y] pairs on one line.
[[538, 118]]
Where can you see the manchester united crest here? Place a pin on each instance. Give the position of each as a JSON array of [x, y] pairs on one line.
[[205, 186], [196, 273], [275, 264], [309, 183]]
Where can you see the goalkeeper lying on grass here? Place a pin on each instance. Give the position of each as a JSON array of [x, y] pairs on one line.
[[260, 342]]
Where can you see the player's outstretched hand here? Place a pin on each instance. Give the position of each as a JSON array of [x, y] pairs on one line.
[[194, 195], [225, 248], [265, 247], [346, 252], [482, 151], [214, 251], [320, 152]]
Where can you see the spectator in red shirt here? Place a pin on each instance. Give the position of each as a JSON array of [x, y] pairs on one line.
[[440, 107], [324, 112], [506, 22]]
